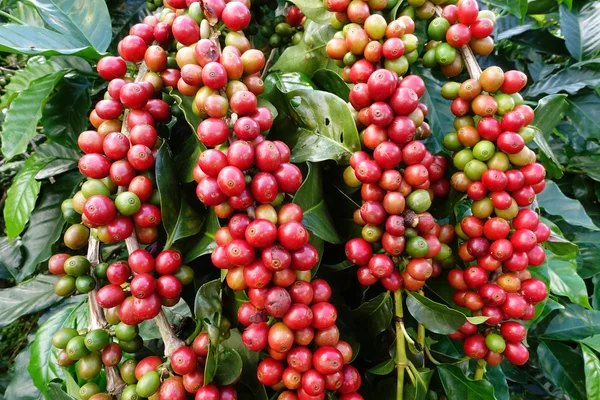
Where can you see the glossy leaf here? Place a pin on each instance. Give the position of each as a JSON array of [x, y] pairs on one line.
[[383, 368], [573, 323], [65, 159], [26, 13], [21, 120], [229, 367], [518, 8], [329, 81], [208, 299], [43, 366], [250, 361], [437, 317], [569, 80], [581, 114], [204, 243], [26, 298], [46, 222], [496, 377], [11, 256], [21, 80], [547, 116], [65, 115], [440, 121], [554, 202], [32, 40], [310, 197], [22, 195], [563, 366], [564, 280], [310, 51], [187, 159], [21, 386], [179, 219], [458, 386], [57, 393], [86, 21], [417, 390], [123, 14], [185, 104], [321, 136], [375, 315], [314, 10], [580, 29], [589, 165], [593, 342], [591, 365]]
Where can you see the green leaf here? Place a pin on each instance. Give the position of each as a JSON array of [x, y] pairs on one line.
[[569, 80], [86, 21], [326, 127], [65, 115], [32, 40], [564, 280], [581, 112], [26, 13], [11, 256], [588, 165], [580, 28], [250, 361], [179, 219], [22, 195], [440, 121], [43, 366], [458, 386], [65, 159], [24, 113], [26, 298], [123, 14], [330, 81], [437, 317], [185, 104], [208, 300], [573, 323], [187, 159], [554, 202], [205, 244], [310, 50], [375, 315], [229, 367], [46, 222], [563, 366], [547, 112], [591, 365], [518, 8], [56, 392], [383, 368], [593, 342], [314, 10], [21, 386], [21, 80], [417, 390], [286, 82], [310, 197], [496, 377]]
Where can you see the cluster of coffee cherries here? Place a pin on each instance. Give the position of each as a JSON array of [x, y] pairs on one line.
[[225, 181], [501, 237], [270, 257], [186, 375], [306, 318], [494, 344], [460, 25], [278, 30], [359, 46]]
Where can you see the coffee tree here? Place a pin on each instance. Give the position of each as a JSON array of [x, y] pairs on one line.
[[299, 200]]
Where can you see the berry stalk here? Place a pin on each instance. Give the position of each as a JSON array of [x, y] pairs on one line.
[[401, 360]]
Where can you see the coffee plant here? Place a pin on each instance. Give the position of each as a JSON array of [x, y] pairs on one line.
[[299, 200]]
